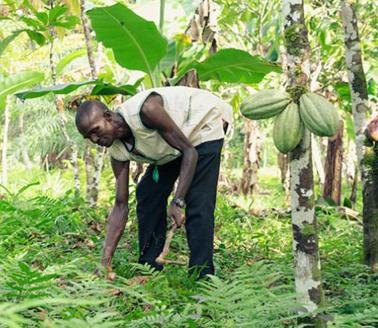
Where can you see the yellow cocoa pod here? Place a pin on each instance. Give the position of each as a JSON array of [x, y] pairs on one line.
[[318, 115], [264, 104], [288, 129]]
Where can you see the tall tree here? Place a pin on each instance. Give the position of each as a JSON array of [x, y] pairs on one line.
[[333, 166], [306, 249], [93, 180], [367, 157], [59, 102], [252, 157]]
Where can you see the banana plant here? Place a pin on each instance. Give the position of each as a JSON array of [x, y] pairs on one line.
[[137, 44]]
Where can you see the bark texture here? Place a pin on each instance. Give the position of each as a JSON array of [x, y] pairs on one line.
[[333, 166], [252, 157], [305, 243], [60, 108], [93, 176], [365, 155]]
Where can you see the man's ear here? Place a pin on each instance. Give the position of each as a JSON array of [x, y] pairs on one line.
[[108, 115]]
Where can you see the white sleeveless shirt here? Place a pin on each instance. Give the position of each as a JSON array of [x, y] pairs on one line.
[[198, 113]]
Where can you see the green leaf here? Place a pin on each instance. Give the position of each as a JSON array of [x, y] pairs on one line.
[[16, 82], [32, 22], [184, 67], [155, 174], [349, 126], [60, 89], [106, 89], [67, 22], [3, 102], [42, 17], [55, 13], [6, 41], [100, 88], [372, 87], [342, 88], [136, 42], [65, 61], [235, 66], [24, 267], [36, 37]]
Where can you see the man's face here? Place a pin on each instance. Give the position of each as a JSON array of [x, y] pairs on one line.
[[97, 127]]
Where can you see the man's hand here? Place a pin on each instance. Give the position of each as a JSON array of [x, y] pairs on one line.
[[175, 213], [104, 270]]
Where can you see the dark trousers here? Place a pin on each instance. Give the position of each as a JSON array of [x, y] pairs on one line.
[[200, 204]]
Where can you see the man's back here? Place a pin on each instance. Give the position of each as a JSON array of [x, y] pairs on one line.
[[198, 113]]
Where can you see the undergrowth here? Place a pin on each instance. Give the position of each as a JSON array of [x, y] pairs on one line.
[[50, 248]]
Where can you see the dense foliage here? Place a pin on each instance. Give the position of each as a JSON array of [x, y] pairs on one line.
[[51, 246], [51, 240]]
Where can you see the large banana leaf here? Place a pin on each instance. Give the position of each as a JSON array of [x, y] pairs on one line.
[[104, 89], [16, 82], [136, 42], [59, 89], [99, 89], [235, 66]]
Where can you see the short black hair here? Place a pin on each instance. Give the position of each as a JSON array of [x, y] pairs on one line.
[[87, 107]]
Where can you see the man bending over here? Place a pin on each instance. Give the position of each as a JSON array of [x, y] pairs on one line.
[[179, 131]]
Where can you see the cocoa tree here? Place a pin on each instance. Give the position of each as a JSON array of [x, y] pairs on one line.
[[305, 244], [367, 156], [333, 166]]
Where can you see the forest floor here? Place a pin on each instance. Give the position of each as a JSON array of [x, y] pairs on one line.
[[51, 245]]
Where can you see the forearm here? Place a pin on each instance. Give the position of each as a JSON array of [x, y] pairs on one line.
[[188, 167], [116, 225]]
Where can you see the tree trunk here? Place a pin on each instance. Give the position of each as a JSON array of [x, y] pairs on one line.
[[305, 244], [366, 156], [88, 163], [351, 172], [87, 35], [93, 181], [353, 193], [4, 163], [98, 163], [252, 157], [60, 108], [333, 166]]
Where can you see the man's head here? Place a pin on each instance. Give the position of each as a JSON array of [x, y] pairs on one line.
[[96, 122]]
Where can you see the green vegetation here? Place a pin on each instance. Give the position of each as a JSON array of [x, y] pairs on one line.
[[56, 53], [52, 244]]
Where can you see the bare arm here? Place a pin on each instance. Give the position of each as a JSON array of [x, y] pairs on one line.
[[154, 116], [118, 216]]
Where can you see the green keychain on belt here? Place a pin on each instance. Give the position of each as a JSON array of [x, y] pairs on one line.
[[155, 174]]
